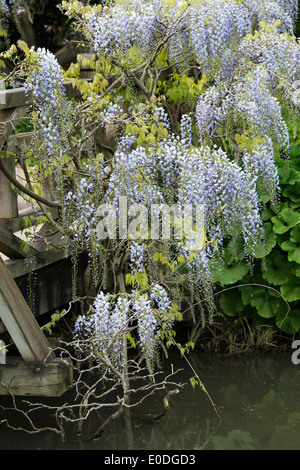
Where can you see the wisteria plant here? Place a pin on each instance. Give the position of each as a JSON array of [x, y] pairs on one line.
[[190, 104]]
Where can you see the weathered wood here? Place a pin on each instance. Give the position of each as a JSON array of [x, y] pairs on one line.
[[17, 97], [20, 321], [10, 245], [8, 197], [19, 142], [53, 285], [50, 379], [13, 98], [14, 225], [18, 268], [9, 118]]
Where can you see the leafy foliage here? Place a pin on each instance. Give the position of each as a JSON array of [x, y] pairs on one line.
[[279, 265]]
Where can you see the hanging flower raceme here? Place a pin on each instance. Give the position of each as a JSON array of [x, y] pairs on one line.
[[217, 27], [281, 12], [247, 106], [105, 327], [278, 55], [122, 26], [260, 164], [45, 83], [110, 322]]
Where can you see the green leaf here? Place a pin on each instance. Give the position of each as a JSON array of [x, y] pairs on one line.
[[265, 304], [293, 245], [277, 268], [231, 303], [294, 150], [295, 235], [235, 250], [288, 218], [291, 289], [229, 274], [289, 175], [267, 214], [247, 293], [292, 192], [289, 322], [296, 270]]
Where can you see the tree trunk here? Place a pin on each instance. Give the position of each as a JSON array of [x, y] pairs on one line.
[[26, 30]]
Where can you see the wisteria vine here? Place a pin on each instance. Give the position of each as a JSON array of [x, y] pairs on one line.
[[216, 147]]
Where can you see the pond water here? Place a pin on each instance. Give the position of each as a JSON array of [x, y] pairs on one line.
[[258, 399]]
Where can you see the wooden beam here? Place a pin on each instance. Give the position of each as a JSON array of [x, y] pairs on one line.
[[10, 245], [48, 379], [20, 321], [16, 97], [13, 98], [14, 224], [18, 268]]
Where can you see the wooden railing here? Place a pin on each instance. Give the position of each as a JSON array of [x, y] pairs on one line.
[[38, 372]]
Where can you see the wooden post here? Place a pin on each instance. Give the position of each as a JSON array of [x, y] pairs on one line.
[[20, 321], [8, 197]]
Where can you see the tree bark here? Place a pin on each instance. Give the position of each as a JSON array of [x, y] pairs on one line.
[[26, 30]]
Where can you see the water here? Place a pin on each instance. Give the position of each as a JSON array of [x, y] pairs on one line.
[[257, 399]]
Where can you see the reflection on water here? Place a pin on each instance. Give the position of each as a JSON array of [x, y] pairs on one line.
[[257, 397]]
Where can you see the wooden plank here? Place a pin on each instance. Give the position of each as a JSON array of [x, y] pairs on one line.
[[14, 224], [8, 197], [17, 97], [53, 286], [20, 321], [48, 379], [18, 268], [19, 142], [13, 98], [10, 245]]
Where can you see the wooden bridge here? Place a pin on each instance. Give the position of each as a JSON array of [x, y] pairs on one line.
[[37, 372]]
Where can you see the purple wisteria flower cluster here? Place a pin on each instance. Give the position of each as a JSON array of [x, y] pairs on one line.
[[133, 23], [211, 30], [108, 323], [46, 84]]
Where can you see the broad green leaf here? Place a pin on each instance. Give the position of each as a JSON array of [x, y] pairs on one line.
[[295, 234], [231, 303], [289, 175], [296, 270], [235, 250], [292, 249], [294, 150], [291, 289], [229, 274], [292, 192], [289, 322], [266, 305], [267, 214], [288, 218], [294, 255], [277, 268], [247, 293]]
